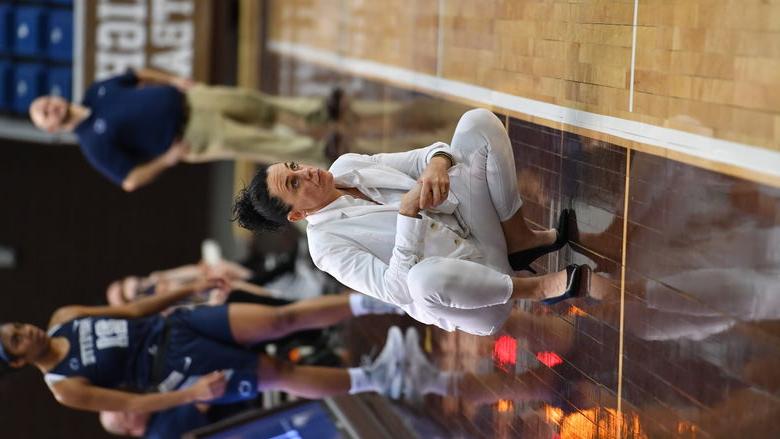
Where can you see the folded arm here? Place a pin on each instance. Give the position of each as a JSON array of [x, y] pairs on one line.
[[413, 163], [362, 271], [429, 166]]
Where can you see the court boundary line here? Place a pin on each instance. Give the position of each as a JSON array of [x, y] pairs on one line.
[[623, 268], [440, 38], [633, 58]]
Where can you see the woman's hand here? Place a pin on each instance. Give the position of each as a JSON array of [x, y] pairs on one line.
[[410, 203], [208, 387], [435, 182]]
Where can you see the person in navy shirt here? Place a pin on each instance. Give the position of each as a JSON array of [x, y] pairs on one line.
[[129, 126], [131, 358]]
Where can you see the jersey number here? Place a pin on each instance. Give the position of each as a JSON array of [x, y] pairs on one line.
[[111, 334]]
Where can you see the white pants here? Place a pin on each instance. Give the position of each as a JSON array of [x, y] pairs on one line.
[[475, 297], [742, 293], [715, 300]]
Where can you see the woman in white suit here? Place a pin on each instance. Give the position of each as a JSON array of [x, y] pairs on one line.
[[436, 231]]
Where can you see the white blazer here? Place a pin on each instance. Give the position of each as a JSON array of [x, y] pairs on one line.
[[370, 247]]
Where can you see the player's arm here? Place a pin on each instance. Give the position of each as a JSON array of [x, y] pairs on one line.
[[145, 173], [143, 307], [79, 394]]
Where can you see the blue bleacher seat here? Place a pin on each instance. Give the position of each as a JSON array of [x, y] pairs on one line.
[[28, 30], [59, 81], [59, 35], [27, 85], [6, 24], [6, 72]]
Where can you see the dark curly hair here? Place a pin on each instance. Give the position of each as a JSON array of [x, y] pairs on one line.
[[257, 210]]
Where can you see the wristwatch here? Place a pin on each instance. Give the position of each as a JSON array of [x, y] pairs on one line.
[[444, 154]]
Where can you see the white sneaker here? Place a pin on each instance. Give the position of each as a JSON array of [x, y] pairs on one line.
[[387, 371], [420, 373]]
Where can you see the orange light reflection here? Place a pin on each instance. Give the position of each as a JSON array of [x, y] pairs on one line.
[[595, 423], [505, 405]]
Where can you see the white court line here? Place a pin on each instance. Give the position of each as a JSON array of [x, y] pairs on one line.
[[440, 40], [743, 156], [633, 57], [626, 194]]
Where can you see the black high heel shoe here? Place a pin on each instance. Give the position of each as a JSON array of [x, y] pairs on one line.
[[522, 260], [577, 285]]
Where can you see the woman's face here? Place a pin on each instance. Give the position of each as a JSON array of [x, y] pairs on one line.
[[304, 188], [50, 113], [23, 341]]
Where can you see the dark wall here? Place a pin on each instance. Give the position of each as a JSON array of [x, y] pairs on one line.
[[74, 232]]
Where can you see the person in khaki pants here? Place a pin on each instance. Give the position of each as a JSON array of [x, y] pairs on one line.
[[134, 126]]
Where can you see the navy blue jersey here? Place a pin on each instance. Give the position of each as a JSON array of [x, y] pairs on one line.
[[190, 343], [128, 125], [109, 352], [173, 423]]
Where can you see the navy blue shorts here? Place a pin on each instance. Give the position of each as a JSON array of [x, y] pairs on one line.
[[199, 342]]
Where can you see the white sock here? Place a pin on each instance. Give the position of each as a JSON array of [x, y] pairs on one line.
[[361, 305], [359, 381]]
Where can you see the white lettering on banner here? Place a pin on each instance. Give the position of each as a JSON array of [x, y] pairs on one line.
[[177, 61], [120, 37], [110, 64], [172, 34], [163, 9], [133, 12], [136, 33], [176, 37], [179, 37]]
